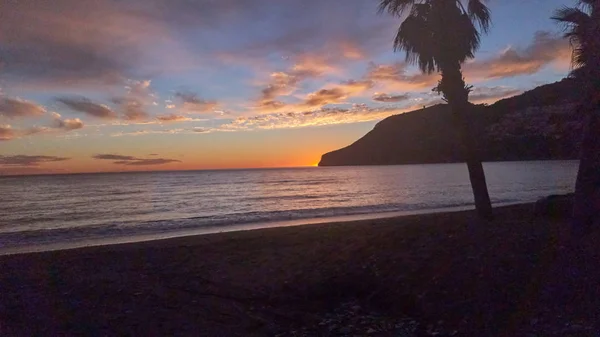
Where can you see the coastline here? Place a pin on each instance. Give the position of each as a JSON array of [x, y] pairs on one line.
[[207, 230]]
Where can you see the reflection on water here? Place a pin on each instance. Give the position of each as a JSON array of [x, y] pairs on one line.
[[49, 208]]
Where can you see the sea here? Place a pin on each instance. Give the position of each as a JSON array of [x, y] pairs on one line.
[[45, 212]]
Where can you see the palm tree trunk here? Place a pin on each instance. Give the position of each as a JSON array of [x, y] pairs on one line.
[[586, 205], [483, 204], [457, 94]]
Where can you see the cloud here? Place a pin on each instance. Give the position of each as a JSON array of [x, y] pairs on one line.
[[7, 132], [314, 65], [147, 132], [26, 160], [325, 96], [285, 83], [381, 97], [113, 157], [201, 130], [193, 104], [331, 94], [393, 77], [492, 94], [172, 118], [282, 83], [66, 124], [71, 124], [71, 43], [297, 26], [294, 119], [133, 110], [16, 107], [144, 162], [82, 104], [546, 48], [138, 97], [139, 88], [337, 94], [320, 117], [134, 161], [386, 72]]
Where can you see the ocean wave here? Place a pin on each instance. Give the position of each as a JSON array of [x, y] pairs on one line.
[[129, 228], [55, 209]]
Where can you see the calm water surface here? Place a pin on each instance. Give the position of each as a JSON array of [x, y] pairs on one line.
[[62, 208]]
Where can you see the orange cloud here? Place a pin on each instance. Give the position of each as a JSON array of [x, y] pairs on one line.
[[284, 83], [325, 96], [134, 161], [172, 118], [58, 125], [329, 95], [134, 111], [28, 160], [17, 108], [7, 132], [320, 117], [546, 48], [381, 97], [336, 94], [490, 95], [393, 77], [66, 124], [352, 51]]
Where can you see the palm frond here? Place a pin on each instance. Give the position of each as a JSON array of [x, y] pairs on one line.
[[420, 9], [480, 13], [577, 25], [455, 36], [470, 36], [415, 40], [569, 16], [438, 33], [396, 7]]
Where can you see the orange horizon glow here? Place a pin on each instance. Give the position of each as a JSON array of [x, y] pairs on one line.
[[152, 169]]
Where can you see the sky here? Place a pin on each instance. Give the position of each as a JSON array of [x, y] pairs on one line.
[[120, 85]]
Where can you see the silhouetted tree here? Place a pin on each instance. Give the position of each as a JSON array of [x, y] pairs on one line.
[[439, 36], [582, 26]]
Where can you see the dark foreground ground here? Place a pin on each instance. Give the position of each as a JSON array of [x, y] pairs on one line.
[[440, 274]]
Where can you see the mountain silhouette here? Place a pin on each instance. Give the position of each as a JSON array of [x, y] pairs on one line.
[[540, 124]]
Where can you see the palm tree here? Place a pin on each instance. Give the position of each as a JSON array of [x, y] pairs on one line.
[[439, 36], [582, 26]]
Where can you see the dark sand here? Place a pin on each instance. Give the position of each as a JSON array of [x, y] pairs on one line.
[[448, 273]]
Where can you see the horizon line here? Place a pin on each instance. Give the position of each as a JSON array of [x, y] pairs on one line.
[[154, 171]]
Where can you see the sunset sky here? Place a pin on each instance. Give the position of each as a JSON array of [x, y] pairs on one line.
[[114, 85]]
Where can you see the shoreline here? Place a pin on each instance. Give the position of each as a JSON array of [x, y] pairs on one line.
[[446, 273], [209, 230]]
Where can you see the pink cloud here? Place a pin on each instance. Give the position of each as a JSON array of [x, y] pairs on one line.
[[18, 108], [545, 49]]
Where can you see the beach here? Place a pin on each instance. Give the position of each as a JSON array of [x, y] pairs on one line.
[[432, 274]]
